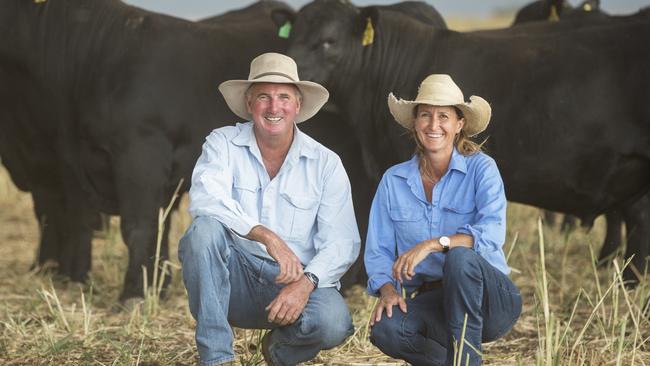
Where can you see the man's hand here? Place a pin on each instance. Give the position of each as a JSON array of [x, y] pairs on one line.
[[388, 298], [290, 302], [290, 266], [404, 266]]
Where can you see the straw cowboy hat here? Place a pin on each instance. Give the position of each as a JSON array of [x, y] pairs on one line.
[[274, 68], [440, 90]]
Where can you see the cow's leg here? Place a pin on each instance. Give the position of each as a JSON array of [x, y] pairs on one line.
[[613, 236], [549, 218], [637, 222], [77, 222], [569, 222], [142, 176], [48, 208]]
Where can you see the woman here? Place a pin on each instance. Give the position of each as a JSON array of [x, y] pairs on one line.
[[434, 251]]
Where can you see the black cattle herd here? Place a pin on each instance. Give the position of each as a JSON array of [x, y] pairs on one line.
[[104, 107]]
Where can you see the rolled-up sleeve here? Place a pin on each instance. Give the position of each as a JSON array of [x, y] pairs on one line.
[[380, 253], [337, 240], [489, 226], [210, 192]]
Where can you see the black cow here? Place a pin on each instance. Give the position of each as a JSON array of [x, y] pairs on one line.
[[554, 10], [561, 10], [109, 105], [262, 10], [569, 130]]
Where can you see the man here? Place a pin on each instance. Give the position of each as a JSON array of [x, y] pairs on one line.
[[273, 225]]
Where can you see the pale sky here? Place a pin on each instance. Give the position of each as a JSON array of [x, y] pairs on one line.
[[196, 9]]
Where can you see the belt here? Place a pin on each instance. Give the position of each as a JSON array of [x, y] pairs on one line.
[[429, 286]]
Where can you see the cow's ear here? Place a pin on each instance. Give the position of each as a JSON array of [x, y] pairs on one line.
[[283, 18], [366, 24], [559, 5]]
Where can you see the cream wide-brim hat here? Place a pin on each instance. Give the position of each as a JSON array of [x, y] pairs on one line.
[[440, 90], [274, 68]]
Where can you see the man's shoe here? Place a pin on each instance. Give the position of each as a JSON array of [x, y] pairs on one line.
[[265, 349]]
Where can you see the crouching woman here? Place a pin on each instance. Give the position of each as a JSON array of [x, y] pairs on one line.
[[434, 250]]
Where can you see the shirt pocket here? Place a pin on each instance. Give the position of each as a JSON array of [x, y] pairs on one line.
[[457, 215], [410, 226], [300, 216], [245, 191]]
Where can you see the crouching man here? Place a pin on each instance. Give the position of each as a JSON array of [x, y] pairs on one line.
[[273, 225]]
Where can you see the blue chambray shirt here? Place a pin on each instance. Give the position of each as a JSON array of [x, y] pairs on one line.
[[308, 203], [468, 199]]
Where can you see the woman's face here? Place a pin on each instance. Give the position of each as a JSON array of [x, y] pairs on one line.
[[436, 127]]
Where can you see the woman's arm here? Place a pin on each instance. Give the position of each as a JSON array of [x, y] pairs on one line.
[[380, 252]]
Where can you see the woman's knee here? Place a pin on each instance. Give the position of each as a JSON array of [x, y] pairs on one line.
[[461, 263], [386, 334]]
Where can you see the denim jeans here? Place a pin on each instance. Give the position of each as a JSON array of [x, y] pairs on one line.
[[227, 285], [427, 332]]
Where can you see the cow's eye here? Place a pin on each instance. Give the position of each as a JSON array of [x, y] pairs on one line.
[[326, 45]]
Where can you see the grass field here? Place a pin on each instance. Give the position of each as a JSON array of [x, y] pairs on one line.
[[573, 314]]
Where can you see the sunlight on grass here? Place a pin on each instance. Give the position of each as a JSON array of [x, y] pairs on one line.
[[573, 314]]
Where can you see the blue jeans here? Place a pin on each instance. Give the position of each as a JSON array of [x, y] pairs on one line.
[[227, 285], [426, 333]]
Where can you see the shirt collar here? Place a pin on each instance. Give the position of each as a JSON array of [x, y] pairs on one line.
[[302, 145], [458, 162], [410, 171]]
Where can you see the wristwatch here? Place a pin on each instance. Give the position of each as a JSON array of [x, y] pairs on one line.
[[444, 242], [312, 278]]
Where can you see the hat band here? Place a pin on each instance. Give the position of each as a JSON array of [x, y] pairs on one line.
[[274, 74]]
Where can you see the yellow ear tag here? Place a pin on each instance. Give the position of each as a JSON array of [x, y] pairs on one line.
[[368, 34], [39, 1], [587, 7], [553, 17]]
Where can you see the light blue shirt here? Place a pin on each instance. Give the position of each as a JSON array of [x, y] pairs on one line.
[[468, 199], [308, 203]]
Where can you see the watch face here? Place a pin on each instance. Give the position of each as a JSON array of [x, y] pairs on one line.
[[444, 241]]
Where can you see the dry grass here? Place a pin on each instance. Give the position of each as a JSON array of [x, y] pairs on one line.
[[573, 314]]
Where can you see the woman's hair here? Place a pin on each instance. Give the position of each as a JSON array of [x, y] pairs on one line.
[[462, 142]]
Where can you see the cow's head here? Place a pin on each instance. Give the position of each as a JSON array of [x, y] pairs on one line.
[[326, 34]]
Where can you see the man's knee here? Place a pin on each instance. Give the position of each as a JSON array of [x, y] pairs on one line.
[[203, 235], [335, 331], [330, 324]]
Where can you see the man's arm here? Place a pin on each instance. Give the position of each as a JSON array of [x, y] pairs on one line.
[[337, 240], [211, 189], [290, 266]]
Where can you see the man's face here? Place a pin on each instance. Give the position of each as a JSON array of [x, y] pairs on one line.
[[274, 108]]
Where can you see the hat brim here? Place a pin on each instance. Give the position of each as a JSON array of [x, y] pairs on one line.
[[477, 112], [314, 96]]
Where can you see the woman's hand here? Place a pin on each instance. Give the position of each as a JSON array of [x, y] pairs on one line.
[[404, 267], [388, 298]]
